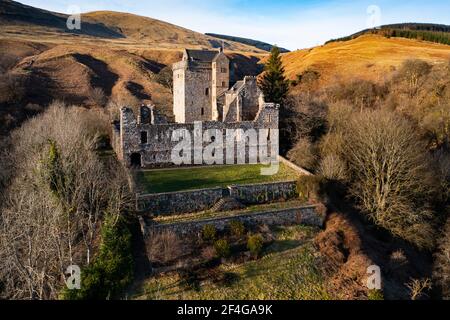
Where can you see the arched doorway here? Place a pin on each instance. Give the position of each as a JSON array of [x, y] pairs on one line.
[[135, 160]]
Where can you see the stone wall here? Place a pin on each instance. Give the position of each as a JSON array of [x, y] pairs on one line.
[[178, 202], [157, 151], [264, 192], [243, 101], [308, 215], [201, 200]]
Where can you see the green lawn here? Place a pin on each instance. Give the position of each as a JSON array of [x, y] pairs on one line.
[[290, 270], [171, 180]]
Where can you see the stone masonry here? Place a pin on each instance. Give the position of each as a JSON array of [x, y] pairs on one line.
[[202, 101]]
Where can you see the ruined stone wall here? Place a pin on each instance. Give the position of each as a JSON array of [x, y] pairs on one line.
[[308, 215], [249, 102], [243, 102], [201, 200], [157, 151]]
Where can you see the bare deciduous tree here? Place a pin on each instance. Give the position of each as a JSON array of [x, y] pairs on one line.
[[390, 174], [58, 194]]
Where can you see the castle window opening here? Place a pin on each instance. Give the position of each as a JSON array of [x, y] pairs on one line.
[[144, 137], [135, 160], [224, 84], [203, 111], [207, 91]]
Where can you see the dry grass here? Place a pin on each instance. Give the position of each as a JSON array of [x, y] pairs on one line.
[[369, 57]]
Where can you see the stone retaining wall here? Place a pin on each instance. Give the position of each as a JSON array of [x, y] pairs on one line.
[[308, 215], [178, 202], [264, 192], [201, 200]]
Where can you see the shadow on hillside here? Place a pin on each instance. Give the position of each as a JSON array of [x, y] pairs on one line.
[[242, 66], [104, 78], [138, 91]]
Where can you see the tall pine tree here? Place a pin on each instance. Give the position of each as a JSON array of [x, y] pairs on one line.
[[273, 84], [275, 88]]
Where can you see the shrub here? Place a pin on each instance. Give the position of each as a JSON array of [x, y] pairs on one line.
[[309, 187], [165, 78], [164, 247], [375, 295], [209, 233], [412, 72], [332, 168], [255, 244], [222, 248], [303, 154], [441, 267], [208, 253], [97, 97], [237, 228]]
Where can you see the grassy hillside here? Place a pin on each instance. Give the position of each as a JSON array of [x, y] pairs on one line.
[[255, 43], [20, 20], [121, 54], [370, 57], [438, 33]]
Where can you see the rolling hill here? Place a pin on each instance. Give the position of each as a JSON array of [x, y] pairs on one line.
[[23, 21], [371, 57], [119, 53], [439, 33], [255, 43]]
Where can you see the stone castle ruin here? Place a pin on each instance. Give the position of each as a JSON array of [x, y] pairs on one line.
[[203, 102]]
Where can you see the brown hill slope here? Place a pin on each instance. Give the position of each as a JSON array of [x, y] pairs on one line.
[[369, 57], [41, 61], [21, 21]]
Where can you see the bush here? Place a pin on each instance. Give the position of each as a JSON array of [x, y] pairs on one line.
[[309, 188], [165, 78], [332, 168], [375, 295], [97, 97], [209, 233], [441, 267], [164, 247], [255, 244], [222, 248], [412, 72], [237, 228], [112, 270], [303, 154]]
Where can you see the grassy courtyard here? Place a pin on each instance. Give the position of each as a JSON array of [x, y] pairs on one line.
[[171, 180]]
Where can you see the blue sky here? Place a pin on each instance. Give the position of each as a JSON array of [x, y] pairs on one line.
[[293, 24]]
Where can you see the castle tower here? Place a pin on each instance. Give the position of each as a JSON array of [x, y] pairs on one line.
[[220, 80], [198, 80]]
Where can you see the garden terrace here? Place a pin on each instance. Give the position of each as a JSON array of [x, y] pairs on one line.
[[210, 214], [290, 257]]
